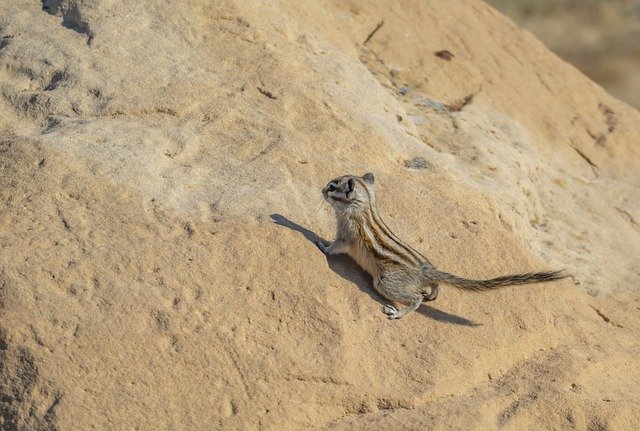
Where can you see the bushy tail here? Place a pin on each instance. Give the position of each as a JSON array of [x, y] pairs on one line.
[[494, 283]]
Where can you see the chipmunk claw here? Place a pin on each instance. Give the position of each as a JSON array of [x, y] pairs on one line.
[[323, 248], [390, 311]]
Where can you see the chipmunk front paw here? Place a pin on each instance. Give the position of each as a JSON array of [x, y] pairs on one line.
[[321, 245]]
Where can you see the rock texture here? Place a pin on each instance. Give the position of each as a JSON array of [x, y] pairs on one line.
[[161, 167]]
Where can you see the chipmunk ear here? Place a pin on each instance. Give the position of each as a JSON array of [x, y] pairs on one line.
[[368, 178]]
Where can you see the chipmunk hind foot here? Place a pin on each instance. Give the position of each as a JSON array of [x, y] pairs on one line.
[[432, 293]]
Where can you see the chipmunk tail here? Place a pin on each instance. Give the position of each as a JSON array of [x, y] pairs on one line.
[[498, 282]]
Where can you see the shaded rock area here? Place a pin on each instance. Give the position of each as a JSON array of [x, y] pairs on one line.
[[161, 166]]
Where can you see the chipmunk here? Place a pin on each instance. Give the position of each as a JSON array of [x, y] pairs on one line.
[[399, 272]]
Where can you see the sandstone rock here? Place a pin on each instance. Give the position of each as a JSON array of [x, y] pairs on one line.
[[161, 173]]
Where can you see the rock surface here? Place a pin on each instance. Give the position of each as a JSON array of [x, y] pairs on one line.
[[161, 168], [599, 37]]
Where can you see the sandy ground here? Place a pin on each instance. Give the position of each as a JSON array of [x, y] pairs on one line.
[[160, 195]]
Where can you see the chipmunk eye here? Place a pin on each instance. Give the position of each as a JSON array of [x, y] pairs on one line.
[[331, 188]]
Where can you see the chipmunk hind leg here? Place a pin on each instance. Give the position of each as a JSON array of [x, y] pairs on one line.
[[430, 285], [397, 288], [432, 294]]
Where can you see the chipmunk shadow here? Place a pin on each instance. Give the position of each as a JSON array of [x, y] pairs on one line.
[[346, 268]]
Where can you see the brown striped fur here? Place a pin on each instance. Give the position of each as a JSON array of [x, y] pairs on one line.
[[400, 273]]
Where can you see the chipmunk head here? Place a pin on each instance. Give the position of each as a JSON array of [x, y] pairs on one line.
[[348, 191]]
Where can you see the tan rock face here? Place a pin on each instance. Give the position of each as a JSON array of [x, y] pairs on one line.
[[160, 189], [599, 37]]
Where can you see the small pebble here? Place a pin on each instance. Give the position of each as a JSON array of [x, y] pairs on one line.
[[417, 163]]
